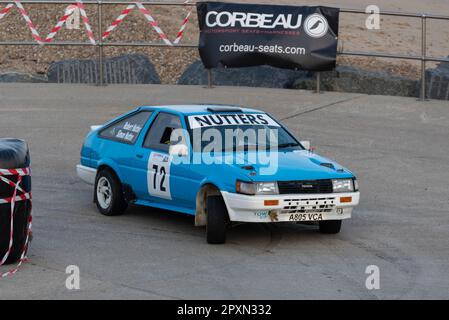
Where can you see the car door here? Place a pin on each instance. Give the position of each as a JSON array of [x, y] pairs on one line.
[[163, 183], [118, 142]]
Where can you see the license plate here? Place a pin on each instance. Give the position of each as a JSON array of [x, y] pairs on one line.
[[305, 217]]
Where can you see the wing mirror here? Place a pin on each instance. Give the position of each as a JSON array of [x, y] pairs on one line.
[[307, 145]]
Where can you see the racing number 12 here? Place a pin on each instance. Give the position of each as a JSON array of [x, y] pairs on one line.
[[158, 176]]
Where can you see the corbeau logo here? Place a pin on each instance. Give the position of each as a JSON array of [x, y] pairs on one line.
[[253, 20], [315, 25]]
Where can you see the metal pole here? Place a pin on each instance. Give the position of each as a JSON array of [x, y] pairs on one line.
[[100, 80], [318, 82], [210, 80], [423, 56]]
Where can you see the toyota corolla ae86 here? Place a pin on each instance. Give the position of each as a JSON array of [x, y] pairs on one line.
[[221, 164]]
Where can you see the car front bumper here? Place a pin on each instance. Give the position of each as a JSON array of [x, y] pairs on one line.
[[290, 207]]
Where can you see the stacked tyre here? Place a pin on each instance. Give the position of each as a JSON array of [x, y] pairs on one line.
[[14, 154]]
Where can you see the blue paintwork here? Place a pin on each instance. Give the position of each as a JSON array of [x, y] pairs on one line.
[[186, 180]]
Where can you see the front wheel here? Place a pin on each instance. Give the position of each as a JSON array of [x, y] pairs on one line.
[[330, 226], [108, 195], [217, 220]]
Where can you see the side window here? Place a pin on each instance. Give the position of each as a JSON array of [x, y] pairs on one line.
[[158, 137], [128, 129]]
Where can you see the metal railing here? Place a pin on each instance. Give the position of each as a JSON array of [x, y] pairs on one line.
[[100, 44], [423, 57]]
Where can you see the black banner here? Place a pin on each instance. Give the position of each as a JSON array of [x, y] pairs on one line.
[[241, 35]]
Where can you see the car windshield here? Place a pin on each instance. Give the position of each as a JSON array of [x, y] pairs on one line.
[[240, 137]]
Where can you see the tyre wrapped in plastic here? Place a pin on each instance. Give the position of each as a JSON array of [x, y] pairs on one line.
[[14, 154]]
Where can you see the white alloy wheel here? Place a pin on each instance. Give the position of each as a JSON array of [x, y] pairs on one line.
[[104, 193]]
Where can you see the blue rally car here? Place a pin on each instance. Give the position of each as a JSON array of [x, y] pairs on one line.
[[222, 164]]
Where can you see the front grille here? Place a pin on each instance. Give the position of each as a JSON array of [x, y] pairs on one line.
[[312, 205], [305, 186]]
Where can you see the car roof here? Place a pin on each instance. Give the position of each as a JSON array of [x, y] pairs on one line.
[[192, 109]]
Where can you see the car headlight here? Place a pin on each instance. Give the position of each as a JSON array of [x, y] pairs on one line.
[[343, 185], [253, 188]]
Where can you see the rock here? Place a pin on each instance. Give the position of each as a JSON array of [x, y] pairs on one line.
[[437, 82], [21, 77], [348, 79], [260, 76], [444, 65], [128, 69]]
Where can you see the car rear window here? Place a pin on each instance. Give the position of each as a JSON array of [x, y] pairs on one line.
[[128, 129]]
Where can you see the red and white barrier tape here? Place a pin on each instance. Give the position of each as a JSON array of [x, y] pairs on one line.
[[151, 21], [30, 24], [69, 10], [15, 172], [86, 21], [13, 199], [6, 10], [183, 27], [23, 258], [58, 26], [117, 21]]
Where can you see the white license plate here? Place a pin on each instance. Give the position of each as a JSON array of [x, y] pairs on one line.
[[305, 217]]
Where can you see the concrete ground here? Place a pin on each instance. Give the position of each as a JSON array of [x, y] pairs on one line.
[[398, 147]]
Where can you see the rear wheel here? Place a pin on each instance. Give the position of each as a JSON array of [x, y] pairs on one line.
[[330, 226], [217, 220], [108, 194]]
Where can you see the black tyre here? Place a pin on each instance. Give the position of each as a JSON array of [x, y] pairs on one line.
[[108, 194], [217, 220], [330, 226]]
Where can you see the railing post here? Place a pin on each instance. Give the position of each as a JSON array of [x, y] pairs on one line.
[[100, 79], [423, 56], [210, 80], [318, 82]]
